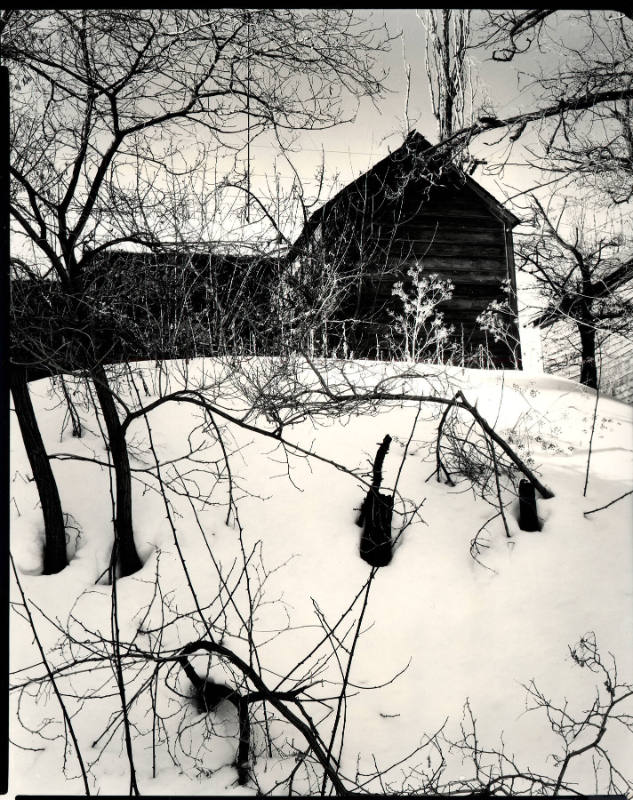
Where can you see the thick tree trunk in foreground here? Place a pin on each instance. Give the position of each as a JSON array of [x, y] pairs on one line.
[[589, 369], [127, 557], [55, 542]]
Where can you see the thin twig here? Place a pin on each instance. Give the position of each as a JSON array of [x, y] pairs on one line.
[[51, 677], [601, 508], [593, 428]]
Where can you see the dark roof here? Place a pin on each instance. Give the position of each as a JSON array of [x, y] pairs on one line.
[[417, 146]]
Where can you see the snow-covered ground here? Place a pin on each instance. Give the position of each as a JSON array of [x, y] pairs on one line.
[[443, 641]]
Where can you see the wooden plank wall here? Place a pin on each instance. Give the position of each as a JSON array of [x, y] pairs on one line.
[[449, 230], [561, 356]]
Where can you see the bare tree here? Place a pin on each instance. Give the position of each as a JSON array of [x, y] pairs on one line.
[[447, 68], [98, 93], [585, 124], [582, 144], [582, 279], [560, 100], [55, 551]]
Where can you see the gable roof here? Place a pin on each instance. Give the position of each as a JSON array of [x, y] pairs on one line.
[[415, 146]]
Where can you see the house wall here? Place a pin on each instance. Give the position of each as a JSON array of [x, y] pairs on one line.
[[448, 229], [617, 368]]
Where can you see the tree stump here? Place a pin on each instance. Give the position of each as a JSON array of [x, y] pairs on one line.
[[375, 516], [207, 696], [528, 518]]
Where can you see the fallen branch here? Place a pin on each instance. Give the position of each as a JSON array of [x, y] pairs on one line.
[[334, 400], [601, 508], [274, 698], [519, 463]]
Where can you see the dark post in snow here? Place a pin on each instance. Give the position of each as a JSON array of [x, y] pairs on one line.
[[375, 516], [528, 519]]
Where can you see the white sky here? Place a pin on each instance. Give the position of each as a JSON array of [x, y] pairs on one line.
[[353, 148], [504, 88]]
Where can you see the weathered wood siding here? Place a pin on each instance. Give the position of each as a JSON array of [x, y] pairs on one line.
[[561, 356], [379, 229]]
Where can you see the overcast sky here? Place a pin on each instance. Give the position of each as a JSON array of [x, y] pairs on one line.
[[353, 148]]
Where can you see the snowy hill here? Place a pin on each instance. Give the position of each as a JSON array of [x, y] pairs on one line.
[[250, 541]]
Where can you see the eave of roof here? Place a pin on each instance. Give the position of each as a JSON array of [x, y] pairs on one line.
[[491, 201], [421, 144]]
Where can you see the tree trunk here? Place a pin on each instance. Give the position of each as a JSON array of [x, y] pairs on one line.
[[588, 370], [55, 533], [127, 557], [446, 88]]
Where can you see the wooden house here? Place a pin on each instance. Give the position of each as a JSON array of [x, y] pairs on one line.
[[414, 211]]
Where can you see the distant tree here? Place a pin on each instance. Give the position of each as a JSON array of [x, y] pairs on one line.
[[582, 279], [590, 83], [447, 68], [583, 96], [106, 104], [577, 72]]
